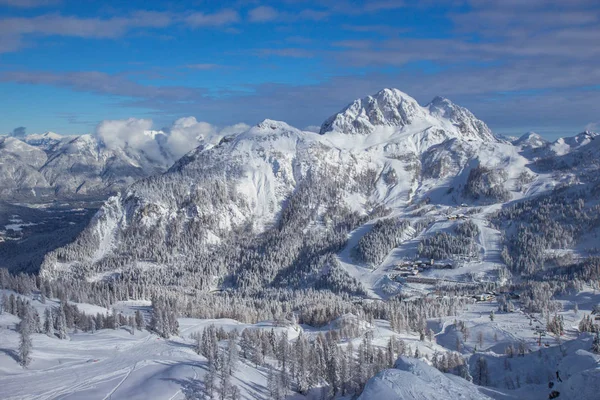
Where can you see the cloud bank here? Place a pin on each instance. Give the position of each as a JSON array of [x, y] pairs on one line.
[[18, 132], [165, 145]]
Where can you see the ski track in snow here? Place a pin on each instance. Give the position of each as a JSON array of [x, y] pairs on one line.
[[109, 395]]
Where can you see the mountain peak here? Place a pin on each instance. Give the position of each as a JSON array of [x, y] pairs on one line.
[[531, 139], [467, 124], [589, 134], [388, 107], [394, 108], [270, 126]]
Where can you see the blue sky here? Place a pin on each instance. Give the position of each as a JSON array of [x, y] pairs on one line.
[[518, 65]]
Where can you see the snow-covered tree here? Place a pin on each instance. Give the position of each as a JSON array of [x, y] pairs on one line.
[[284, 358], [60, 323], [210, 381], [232, 357], [596, 343], [48, 322], [481, 372], [139, 320], [25, 330]]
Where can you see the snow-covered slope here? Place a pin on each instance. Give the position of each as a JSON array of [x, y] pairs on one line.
[[413, 379], [48, 164], [85, 165], [275, 174], [563, 146], [277, 188], [45, 141], [20, 165], [531, 140]]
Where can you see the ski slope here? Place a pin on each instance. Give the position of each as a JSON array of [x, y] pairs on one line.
[[114, 364]]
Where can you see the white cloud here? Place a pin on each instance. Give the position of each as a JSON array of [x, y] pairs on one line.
[[202, 67], [13, 30], [56, 24], [234, 129], [186, 133], [313, 128], [28, 3], [593, 126], [132, 133], [267, 14], [220, 18], [188, 130], [183, 136], [118, 133], [263, 14]]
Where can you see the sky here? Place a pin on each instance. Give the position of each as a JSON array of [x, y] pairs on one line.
[[68, 65]]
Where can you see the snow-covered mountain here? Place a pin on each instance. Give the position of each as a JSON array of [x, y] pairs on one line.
[[45, 141], [20, 165], [277, 206], [50, 165], [531, 140], [395, 109]]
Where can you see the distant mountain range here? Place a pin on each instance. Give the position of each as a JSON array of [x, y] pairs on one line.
[[50, 165]]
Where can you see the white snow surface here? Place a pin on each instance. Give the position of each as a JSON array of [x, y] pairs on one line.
[[413, 379], [115, 364]]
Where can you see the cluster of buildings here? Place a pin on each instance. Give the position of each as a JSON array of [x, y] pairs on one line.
[[489, 296], [455, 217], [484, 297], [413, 268]]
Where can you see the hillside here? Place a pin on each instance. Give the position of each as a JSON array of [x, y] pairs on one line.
[[276, 207]]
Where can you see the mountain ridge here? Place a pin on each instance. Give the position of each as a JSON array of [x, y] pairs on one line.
[[273, 206]]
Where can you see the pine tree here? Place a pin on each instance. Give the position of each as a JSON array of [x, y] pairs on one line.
[[25, 328], [3, 303], [210, 380], [391, 352], [235, 393], [60, 324], [596, 343], [301, 363], [116, 319], [284, 358], [197, 338], [333, 368], [37, 324], [481, 373], [271, 382], [139, 320], [232, 356], [131, 323], [225, 376], [12, 304], [246, 344], [345, 373], [48, 323]]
